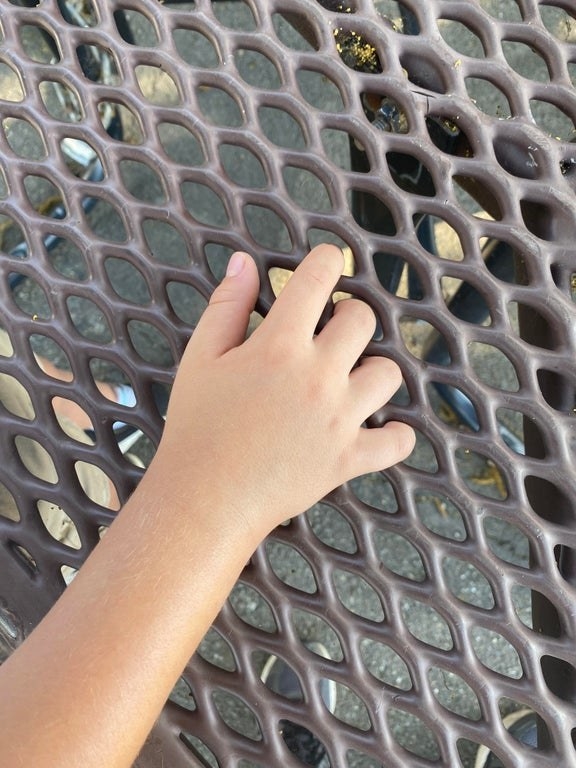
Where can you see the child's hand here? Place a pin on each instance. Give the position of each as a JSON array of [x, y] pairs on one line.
[[276, 419]]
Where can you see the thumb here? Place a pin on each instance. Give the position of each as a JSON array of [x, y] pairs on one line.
[[223, 325]]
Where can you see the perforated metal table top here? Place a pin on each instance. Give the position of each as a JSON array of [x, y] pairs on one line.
[[142, 142]]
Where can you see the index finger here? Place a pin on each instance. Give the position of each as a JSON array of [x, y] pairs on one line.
[[307, 292]]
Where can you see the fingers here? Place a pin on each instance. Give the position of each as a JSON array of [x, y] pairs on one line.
[[223, 325], [373, 383], [307, 292], [346, 335], [381, 448]]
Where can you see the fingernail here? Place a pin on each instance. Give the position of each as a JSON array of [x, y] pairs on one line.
[[236, 264]]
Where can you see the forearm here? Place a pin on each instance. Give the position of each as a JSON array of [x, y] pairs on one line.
[[111, 649]]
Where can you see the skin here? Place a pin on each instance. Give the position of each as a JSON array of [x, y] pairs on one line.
[[92, 678]]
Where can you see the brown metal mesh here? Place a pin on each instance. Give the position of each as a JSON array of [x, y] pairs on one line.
[[443, 590]]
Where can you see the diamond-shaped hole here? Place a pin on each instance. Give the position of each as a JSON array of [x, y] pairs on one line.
[[552, 119], [426, 624], [477, 198], [524, 600], [492, 366], [314, 632], [281, 128], [440, 515], [461, 38], [549, 501], [371, 212], [58, 524], [423, 457], [24, 139], [196, 48], [61, 101], [449, 136], [135, 28], [557, 390], [453, 693], [319, 90], [89, 320], [106, 222], [11, 234], [357, 51], [267, 228], [526, 60], [336, 146], [399, 555], [375, 490], [69, 415], [216, 651], [150, 343], [507, 541], [180, 144], [142, 182], [357, 595], [31, 298], [306, 189], [187, 303], [287, 34], [97, 485], [201, 752], [547, 338], [8, 510], [252, 608], [468, 583], [357, 759], [98, 64], [157, 86], [183, 695], [104, 370], [19, 402], [459, 295], [397, 276], [257, 69], [331, 528], [242, 19], [24, 558], [237, 715], [302, 743], [132, 131], [11, 88], [559, 675], [481, 474], [204, 204], [167, 245], [495, 652], [220, 107], [290, 566], [350, 709], [66, 258], [511, 710], [488, 98], [410, 174], [413, 330], [242, 166], [48, 348], [413, 734], [39, 44], [446, 240], [127, 281], [385, 664], [559, 21], [513, 422], [36, 459], [43, 195]]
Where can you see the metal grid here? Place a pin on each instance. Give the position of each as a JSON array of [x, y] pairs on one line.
[[141, 143]]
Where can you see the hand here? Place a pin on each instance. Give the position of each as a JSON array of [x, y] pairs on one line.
[[275, 422]]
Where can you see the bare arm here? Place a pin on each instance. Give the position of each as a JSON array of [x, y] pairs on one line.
[[252, 416]]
